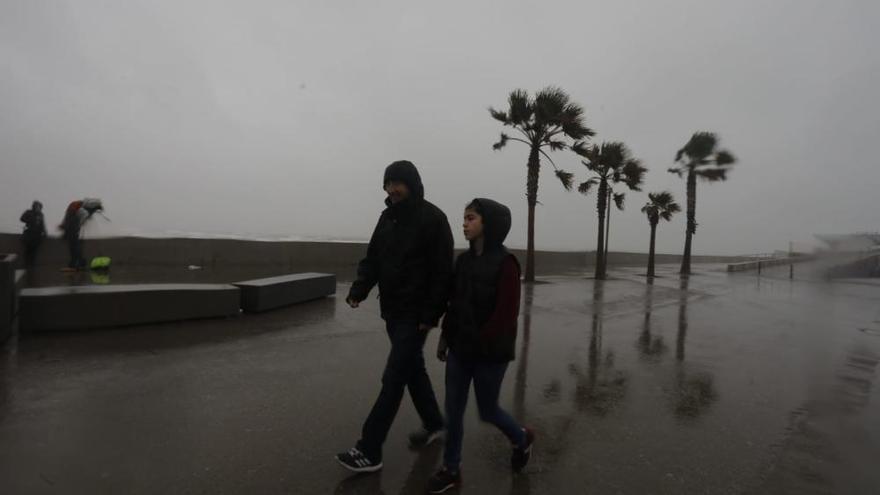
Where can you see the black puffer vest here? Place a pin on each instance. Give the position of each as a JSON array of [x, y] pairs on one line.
[[475, 293]]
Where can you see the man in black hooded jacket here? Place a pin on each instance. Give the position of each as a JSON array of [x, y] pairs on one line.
[[410, 258]]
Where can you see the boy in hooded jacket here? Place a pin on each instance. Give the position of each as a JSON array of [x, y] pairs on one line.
[[479, 336]]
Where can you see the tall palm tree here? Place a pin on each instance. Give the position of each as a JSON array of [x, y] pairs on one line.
[[548, 121], [701, 158], [611, 163], [659, 205]]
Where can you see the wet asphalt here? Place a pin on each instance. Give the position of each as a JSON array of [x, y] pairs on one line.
[[714, 384]]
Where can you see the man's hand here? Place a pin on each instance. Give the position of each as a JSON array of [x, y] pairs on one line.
[[351, 302], [442, 349]]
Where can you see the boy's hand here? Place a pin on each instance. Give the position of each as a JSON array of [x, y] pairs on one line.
[[442, 349], [351, 302]]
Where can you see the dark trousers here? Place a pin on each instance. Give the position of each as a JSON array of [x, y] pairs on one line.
[[30, 251], [405, 369], [487, 378], [74, 245]]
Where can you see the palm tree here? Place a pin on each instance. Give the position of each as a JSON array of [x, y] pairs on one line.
[[659, 205], [547, 121], [700, 157], [612, 164]]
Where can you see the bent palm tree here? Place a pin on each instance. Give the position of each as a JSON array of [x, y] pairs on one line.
[[547, 121], [700, 157], [611, 164], [659, 205]]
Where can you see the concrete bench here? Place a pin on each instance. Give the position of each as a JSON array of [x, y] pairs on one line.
[[69, 308], [8, 290], [274, 292], [18, 284]]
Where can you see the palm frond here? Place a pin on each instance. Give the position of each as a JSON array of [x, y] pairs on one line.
[[501, 143], [712, 174], [573, 125], [580, 148], [521, 107], [550, 102], [724, 157], [499, 116], [678, 155], [614, 153], [584, 187], [567, 179], [679, 171], [557, 145], [634, 174], [619, 200], [594, 166]]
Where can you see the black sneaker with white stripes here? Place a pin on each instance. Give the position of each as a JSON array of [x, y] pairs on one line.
[[355, 460], [444, 480], [522, 455], [423, 438]]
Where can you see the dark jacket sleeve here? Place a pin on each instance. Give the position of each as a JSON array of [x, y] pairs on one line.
[[440, 273], [368, 269], [506, 311]]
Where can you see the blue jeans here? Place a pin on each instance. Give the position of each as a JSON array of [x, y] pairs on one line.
[[405, 369], [487, 378]]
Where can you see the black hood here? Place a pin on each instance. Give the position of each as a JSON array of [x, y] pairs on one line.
[[496, 222], [406, 172]]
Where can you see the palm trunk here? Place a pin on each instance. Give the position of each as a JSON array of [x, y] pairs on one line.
[[534, 166], [691, 222], [682, 320], [651, 249], [601, 200], [607, 232]]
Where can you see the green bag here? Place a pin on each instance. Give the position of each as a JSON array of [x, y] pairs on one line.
[[100, 263]]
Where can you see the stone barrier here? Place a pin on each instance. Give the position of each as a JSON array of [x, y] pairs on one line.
[[71, 308], [275, 292]]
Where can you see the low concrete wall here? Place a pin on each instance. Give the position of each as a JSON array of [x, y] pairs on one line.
[[760, 264], [331, 257]]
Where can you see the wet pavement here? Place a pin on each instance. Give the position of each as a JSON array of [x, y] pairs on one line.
[[714, 384]]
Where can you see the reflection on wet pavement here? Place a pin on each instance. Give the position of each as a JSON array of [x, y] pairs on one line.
[[769, 389]]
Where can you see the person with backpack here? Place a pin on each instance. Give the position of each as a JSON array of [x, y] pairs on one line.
[[78, 212], [34, 232], [479, 336]]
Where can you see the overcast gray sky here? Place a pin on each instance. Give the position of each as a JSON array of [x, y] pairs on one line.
[[276, 118]]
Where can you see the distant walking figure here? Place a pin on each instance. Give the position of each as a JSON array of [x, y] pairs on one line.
[[410, 258], [34, 232]]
